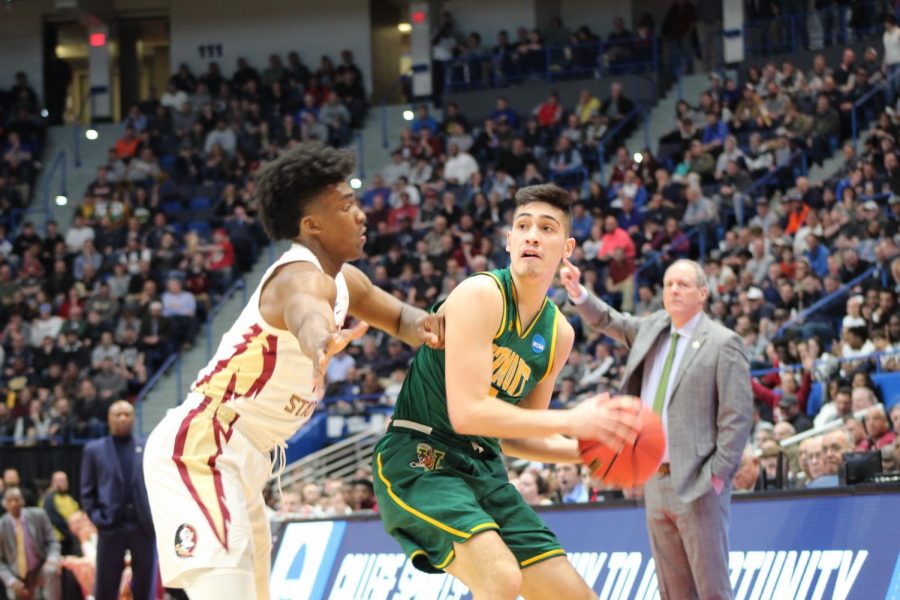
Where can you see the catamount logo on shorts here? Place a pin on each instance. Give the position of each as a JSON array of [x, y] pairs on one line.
[[185, 540], [427, 457]]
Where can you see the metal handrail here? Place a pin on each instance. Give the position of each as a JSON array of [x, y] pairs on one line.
[[829, 298], [59, 163], [92, 93], [296, 470], [890, 80], [799, 367], [552, 69], [175, 357], [237, 284]]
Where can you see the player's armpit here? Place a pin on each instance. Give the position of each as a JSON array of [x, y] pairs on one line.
[[307, 297]]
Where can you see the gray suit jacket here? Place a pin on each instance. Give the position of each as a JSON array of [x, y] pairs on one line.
[[45, 543], [711, 407]]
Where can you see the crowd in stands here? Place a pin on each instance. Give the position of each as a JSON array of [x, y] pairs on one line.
[[731, 177], [88, 315], [89, 310], [22, 134]]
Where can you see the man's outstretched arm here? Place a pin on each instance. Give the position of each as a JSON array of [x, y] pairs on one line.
[[383, 311]]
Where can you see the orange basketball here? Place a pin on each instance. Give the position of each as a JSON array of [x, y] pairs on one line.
[[634, 464]]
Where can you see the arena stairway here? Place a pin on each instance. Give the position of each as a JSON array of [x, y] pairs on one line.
[[171, 388], [61, 138], [661, 119], [374, 155]]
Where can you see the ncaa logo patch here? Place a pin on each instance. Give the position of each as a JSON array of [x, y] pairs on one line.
[[185, 540], [538, 344]]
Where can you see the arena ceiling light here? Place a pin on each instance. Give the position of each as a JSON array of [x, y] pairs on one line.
[[404, 27]]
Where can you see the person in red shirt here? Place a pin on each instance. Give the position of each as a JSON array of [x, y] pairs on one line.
[[406, 209], [549, 113], [796, 215], [221, 258], [877, 427], [614, 237], [127, 146]]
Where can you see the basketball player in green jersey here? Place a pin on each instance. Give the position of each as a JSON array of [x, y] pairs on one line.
[[442, 488]]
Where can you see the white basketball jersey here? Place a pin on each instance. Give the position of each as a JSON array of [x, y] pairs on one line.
[[259, 380]]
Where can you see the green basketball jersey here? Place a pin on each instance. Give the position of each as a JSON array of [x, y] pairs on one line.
[[523, 356]]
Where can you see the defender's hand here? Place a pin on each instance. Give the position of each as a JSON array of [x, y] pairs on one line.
[[336, 342], [430, 329]]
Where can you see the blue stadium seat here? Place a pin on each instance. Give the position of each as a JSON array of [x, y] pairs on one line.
[[202, 228], [171, 208], [815, 400], [201, 208], [889, 385]]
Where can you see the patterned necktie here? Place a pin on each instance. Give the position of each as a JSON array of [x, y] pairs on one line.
[[660, 399], [21, 559]]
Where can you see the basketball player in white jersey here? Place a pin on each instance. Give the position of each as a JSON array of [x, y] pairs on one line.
[[208, 460]]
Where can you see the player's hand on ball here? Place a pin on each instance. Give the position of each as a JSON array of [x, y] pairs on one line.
[[570, 277], [336, 342], [609, 419], [430, 329]]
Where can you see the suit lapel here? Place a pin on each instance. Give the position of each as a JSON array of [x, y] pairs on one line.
[[642, 346], [694, 345]]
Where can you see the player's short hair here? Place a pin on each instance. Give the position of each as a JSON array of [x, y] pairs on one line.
[[548, 193], [287, 186]]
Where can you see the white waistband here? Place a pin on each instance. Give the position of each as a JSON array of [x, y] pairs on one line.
[[412, 425]]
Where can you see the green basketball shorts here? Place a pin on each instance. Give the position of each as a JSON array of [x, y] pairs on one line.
[[434, 490]]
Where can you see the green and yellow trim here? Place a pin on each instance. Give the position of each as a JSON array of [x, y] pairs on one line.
[[482, 526], [536, 318], [499, 283], [542, 556], [430, 520], [552, 345], [442, 565]]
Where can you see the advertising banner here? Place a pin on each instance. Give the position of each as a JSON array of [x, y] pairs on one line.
[[810, 547]]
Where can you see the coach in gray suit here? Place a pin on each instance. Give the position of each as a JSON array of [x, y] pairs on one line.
[[29, 552], [694, 374]]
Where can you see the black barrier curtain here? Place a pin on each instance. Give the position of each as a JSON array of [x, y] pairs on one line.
[[36, 463]]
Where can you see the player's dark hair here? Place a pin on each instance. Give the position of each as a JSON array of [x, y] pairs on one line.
[[287, 186], [550, 194]]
